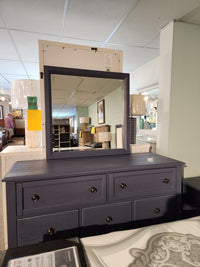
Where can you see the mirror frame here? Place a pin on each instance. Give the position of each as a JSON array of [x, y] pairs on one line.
[[48, 70]]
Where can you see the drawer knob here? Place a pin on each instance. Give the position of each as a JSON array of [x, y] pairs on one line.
[[35, 197], [93, 189], [50, 231], [109, 219], [156, 210], [166, 181], [123, 186]]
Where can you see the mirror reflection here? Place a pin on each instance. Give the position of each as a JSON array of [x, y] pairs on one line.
[[149, 120], [87, 113]]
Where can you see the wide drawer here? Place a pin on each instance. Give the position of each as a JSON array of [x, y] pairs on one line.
[[140, 183], [107, 214], [154, 207], [35, 229], [60, 192]]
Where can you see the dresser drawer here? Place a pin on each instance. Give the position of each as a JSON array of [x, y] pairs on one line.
[[108, 214], [154, 207], [69, 192], [139, 183], [33, 229]]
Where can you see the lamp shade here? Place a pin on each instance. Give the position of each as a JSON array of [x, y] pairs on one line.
[[137, 105], [20, 89], [104, 137], [84, 119]]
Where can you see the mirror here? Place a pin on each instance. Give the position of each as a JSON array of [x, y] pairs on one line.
[[83, 108]]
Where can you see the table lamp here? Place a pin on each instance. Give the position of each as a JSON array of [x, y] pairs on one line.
[[84, 121], [104, 138]]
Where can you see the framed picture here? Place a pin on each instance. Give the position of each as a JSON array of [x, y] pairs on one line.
[[101, 111], [1, 112]]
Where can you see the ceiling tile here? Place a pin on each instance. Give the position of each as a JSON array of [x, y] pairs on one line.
[[81, 42], [155, 43], [32, 68], [36, 16], [193, 16], [11, 67], [134, 57], [7, 50], [4, 84], [27, 44], [145, 22], [94, 20]]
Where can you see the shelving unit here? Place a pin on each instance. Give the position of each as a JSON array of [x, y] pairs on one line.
[[61, 136]]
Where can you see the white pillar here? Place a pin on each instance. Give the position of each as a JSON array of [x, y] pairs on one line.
[[179, 96]]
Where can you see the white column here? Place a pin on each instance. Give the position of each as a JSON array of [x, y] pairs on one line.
[[179, 114]]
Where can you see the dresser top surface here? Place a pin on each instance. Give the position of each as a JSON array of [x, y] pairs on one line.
[[60, 168]]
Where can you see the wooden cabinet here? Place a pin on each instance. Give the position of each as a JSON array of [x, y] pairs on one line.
[[47, 197]]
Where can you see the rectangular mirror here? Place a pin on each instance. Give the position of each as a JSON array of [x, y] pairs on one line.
[[82, 110]]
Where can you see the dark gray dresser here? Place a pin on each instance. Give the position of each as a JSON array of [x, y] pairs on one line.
[[49, 196]]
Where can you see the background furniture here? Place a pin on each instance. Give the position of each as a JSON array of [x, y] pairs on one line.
[[61, 136], [86, 137], [191, 196], [19, 129], [90, 195]]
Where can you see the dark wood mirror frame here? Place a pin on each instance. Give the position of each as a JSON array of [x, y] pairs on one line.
[[48, 70]]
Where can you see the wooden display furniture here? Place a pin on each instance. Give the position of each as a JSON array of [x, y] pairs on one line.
[[86, 137], [61, 136], [77, 196]]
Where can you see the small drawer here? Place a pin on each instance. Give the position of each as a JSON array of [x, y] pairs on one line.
[[69, 192], [140, 183], [154, 207], [33, 230], [108, 214]]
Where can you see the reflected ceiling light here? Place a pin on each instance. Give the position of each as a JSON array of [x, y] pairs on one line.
[[3, 98]]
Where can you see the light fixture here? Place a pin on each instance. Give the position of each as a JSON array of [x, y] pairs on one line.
[[137, 105], [104, 138], [84, 121], [93, 130], [3, 98]]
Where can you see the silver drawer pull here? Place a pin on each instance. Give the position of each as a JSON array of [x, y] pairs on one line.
[[166, 181], [109, 219], [123, 186], [50, 231], [35, 197], [93, 189], [157, 210]]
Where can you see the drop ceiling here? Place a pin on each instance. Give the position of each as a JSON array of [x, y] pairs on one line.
[[129, 25]]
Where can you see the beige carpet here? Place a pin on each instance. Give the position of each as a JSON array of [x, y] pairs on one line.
[[17, 141]]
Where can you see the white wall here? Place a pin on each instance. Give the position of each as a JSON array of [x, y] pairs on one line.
[[145, 76], [5, 105], [114, 112], [166, 45], [184, 112]]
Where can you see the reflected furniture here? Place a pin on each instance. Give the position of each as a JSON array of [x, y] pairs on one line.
[[90, 195], [86, 137], [19, 129]]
